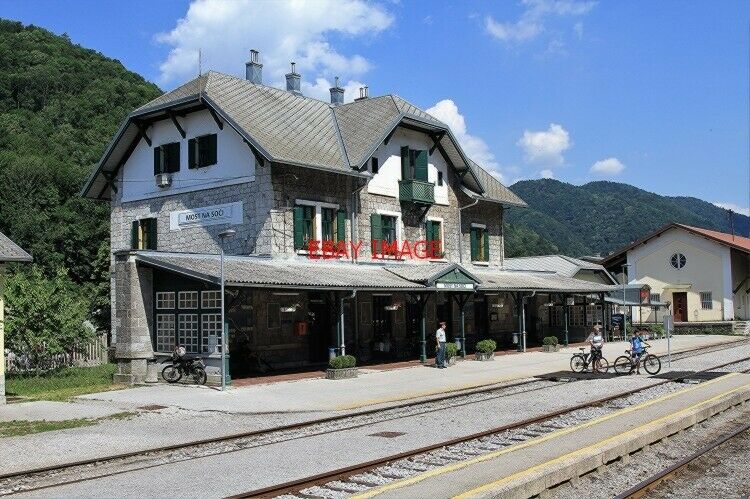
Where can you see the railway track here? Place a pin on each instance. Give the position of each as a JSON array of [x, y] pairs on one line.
[[360, 478], [80, 471], [654, 481]]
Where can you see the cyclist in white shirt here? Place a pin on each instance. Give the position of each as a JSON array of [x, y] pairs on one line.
[[596, 340], [440, 341]]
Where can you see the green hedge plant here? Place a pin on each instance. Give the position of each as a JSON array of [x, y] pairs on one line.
[[342, 362], [550, 340], [450, 350], [486, 346]]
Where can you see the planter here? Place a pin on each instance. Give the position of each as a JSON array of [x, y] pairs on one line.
[[485, 356], [550, 348], [346, 373]]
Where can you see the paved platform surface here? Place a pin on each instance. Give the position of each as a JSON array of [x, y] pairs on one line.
[[518, 471], [44, 410], [373, 388]]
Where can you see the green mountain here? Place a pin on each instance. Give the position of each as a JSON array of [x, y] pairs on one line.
[[599, 217], [60, 104]]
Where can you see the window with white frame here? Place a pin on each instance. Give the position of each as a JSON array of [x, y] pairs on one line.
[[165, 332], [593, 315], [706, 300], [165, 300], [211, 332], [576, 315], [187, 332], [655, 297], [313, 220], [210, 299], [556, 316], [187, 299]]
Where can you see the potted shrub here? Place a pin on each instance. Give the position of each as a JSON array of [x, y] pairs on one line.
[[485, 350], [451, 350], [550, 344], [342, 367]]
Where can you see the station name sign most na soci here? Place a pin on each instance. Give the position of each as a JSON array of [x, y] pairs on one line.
[[208, 215]]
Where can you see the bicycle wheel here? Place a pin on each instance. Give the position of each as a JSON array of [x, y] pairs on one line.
[[577, 363], [651, 364], [601, 365], [171, 374], [199, 375], [623, 365]]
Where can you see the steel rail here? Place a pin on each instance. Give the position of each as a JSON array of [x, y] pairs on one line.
[[241, 435], [293, 486], [642, 488]]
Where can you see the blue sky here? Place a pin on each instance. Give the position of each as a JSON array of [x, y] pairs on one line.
[[650, 93]]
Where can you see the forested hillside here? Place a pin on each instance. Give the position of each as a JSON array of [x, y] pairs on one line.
[[599, 217], [60, 104]]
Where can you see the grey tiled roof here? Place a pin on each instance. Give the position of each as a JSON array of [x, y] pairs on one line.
[[535, 281], [493, 189], [286, 128], [266, 272], [254, 271], [11, 252]]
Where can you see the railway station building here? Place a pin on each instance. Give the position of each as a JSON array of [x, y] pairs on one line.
[[358, 226]]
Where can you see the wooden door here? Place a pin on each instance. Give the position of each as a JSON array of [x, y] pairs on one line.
[[382, 322], [679, 307]]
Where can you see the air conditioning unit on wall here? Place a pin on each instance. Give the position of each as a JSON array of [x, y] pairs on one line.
[[163, 180]]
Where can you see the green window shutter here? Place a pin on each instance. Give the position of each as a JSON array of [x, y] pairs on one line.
[[212, 156], [429, 230], [192, 163], [299, 240], [420, 165], [341, 225], [173, 157], [474, 244], [157, 160], [486, 239], [134, 234], [376, 232], [405, 166], [151, 234]]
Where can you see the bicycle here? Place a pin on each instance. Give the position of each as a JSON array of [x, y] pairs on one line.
[[626, 364], [580, 362]]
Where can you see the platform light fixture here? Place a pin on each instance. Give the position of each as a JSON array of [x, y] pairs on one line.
[[224, 235]]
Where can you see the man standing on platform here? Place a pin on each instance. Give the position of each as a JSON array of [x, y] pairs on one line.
[[440, 340]]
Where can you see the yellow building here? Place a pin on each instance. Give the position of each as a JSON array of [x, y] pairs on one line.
[[9, 252], [703, 274]]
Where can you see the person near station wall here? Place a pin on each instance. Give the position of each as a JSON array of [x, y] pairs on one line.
[[440, 341]]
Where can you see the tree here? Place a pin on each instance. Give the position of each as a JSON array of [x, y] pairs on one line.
[[44, 315]]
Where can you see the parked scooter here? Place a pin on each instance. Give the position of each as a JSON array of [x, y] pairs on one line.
[[184, 365]]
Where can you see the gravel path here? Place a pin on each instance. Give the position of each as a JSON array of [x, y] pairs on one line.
[[723, 473]]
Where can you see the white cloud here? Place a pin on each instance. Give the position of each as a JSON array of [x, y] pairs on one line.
[[607, 167], [321, 89], [531, 22], [474, 147], [283, 31], [578, 28], [547, 174], [743, 210], [546, 147]]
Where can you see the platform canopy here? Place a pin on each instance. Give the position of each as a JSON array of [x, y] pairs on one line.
[[260, 272]]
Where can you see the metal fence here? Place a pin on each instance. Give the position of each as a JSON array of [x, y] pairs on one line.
[[92, 354]]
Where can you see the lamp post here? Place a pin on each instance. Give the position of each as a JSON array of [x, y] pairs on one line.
[[624, 312], [226, 234]]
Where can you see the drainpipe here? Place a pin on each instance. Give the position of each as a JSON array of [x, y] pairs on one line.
[[354, 237], [460, 227], [341, 319]]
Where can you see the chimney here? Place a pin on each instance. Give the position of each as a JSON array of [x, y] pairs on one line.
[[363, 93], [253, 69], [337, 93], [292, 82]]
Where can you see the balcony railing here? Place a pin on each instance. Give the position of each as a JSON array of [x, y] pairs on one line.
[[416, 191]]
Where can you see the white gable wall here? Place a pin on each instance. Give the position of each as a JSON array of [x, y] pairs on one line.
[[385, 182], [235, 162], [708, 268]]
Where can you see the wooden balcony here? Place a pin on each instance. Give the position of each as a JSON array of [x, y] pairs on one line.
[[416, 191]]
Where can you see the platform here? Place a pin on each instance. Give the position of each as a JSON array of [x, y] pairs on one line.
[[528, 468]]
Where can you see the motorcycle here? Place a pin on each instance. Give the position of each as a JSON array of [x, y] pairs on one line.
[[183, 365]]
